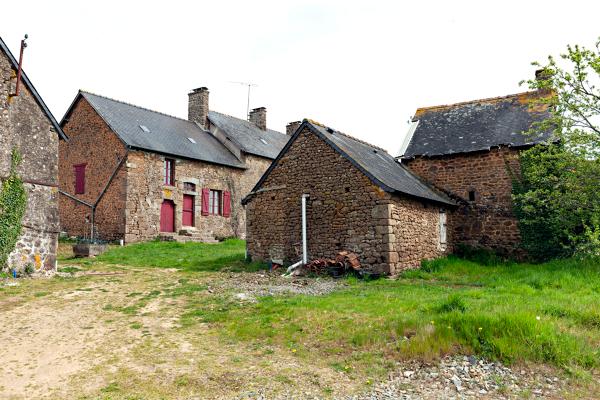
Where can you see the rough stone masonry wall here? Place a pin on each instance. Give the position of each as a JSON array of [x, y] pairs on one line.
[[93, 143], [25, 126], [346, 211], [489, 221], [146, 192], [415, 232]]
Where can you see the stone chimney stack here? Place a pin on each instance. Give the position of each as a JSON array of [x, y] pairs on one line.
[[198, 106], [258, 117], [292, 127]]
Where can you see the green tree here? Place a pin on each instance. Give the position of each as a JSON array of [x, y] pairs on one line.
[[557, 197]]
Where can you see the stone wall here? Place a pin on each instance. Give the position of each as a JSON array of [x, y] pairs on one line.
[[415, 233], [488, 221], [346, 211], [146, 192], [93, 143], [24, 125]]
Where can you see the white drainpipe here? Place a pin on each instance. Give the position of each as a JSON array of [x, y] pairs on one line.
[[304, 240], [304, 259]]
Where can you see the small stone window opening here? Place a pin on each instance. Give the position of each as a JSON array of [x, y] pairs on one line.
[[169, 172], [471, 195], [189, 187], [442, 226]]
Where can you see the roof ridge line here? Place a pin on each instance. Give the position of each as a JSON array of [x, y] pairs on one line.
[[133, 105], [312, 121], [420, 110]]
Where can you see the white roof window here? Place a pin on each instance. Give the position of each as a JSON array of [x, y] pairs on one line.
[[144, 128], [192, 140], [263, 140]]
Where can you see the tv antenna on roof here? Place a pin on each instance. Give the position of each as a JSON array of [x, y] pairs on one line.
[[250, 85]]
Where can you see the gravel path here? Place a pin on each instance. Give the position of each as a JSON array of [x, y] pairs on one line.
[[463, 378]]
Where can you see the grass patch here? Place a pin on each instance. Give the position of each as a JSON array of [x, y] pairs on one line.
[[226, 255], [546, 313]]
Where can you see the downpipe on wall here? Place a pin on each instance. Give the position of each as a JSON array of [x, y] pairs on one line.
[[304, 259]]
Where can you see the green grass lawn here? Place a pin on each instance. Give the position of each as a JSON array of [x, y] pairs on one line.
[[547, 313], [186, 256]]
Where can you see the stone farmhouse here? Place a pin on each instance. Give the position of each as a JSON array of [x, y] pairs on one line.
[[26, 124], [136, 174], [452, 185]]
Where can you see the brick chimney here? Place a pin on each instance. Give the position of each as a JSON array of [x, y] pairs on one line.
[[198, 106], [258, 117], [292, 127]]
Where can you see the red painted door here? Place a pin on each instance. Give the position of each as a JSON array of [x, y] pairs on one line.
[[167, 216], [187, 218]]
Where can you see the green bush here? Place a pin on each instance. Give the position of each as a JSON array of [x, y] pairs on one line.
[[13, 201]]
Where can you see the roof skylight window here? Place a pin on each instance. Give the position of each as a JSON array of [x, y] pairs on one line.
[[263, 140], [144, 128], [192, 140]]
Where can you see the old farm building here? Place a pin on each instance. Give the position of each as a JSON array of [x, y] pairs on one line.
[[452, 185], [146, 174], [27, 125], [361, 199]]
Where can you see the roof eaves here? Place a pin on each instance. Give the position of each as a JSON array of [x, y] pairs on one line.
[[33, 91]]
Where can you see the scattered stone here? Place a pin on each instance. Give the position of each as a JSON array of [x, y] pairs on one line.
[[459, 378]]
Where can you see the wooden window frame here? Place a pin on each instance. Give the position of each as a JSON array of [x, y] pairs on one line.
[[169, 172], [215, 209]]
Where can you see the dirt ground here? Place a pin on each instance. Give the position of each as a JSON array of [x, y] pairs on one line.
[[112, 332], [116, 332]]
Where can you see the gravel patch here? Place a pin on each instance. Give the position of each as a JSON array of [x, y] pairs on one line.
[[251, 285], [461, 377]]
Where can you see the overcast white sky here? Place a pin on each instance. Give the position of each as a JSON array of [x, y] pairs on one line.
[[359, 67]]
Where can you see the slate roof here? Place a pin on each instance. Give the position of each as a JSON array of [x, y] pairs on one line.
[[475, 126], [167, 134], [35, 94], [248, 136], [382, 168]]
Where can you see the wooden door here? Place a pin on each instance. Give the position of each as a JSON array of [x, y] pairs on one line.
[[167, 216], [187, 218]]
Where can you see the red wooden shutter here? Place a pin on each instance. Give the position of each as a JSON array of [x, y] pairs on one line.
[[80, 179], [226, 204], [205, 194]]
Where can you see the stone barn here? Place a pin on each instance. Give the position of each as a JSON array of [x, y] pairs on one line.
[[27, 125], [360, 199], [470, 150], [137, 174]]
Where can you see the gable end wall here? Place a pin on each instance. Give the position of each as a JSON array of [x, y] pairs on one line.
[[25, 126], [92, 142]]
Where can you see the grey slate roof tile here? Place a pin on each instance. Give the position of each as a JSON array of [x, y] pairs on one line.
[[248, 136], [167, 134], [475, 126]]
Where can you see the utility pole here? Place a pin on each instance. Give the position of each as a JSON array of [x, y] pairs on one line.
[[250, 85]]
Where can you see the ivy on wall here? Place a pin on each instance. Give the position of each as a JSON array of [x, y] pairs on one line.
[[13, 202]]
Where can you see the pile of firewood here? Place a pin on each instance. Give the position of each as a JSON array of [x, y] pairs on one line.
[[343, 263]]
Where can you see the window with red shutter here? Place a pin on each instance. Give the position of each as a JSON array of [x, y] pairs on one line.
[[169, 172], [226, 204], [79, 178]]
